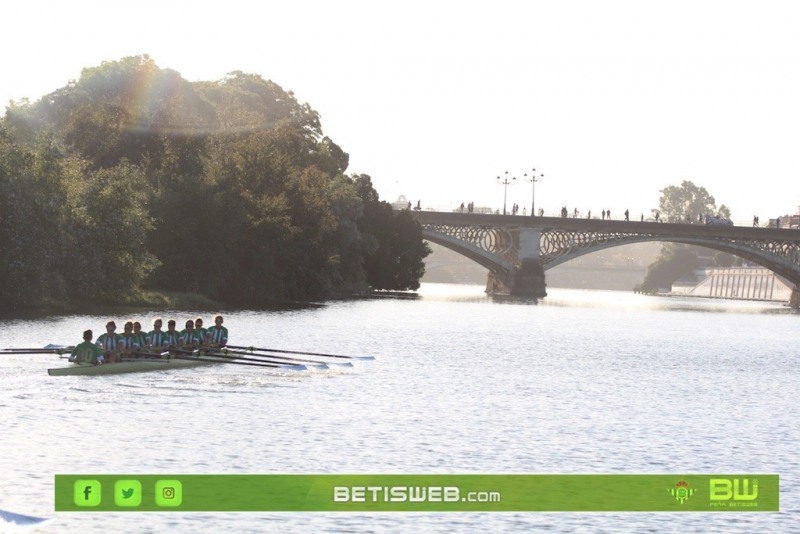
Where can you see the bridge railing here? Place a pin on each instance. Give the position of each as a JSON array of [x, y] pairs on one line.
[[483, 210]]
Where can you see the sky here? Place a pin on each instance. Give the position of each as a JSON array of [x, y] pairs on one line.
[[610, 100]]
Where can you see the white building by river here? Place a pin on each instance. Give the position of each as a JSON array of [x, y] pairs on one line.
[[742, 283]]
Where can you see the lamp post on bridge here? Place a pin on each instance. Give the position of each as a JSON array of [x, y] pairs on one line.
[[533, 179], [505, 183]]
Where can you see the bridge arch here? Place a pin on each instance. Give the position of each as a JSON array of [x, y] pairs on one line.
[[517, 250], [785, 265]]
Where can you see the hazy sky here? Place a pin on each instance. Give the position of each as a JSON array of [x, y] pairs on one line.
[[611, 100]]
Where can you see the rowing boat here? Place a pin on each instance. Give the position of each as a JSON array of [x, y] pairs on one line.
[[130, 366], [182, 358]]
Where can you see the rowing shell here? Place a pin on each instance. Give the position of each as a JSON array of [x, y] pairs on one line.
[[131, 366]]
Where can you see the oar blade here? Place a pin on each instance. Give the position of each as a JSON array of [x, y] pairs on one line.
[[19, 520], [284, 351], [234, 361]]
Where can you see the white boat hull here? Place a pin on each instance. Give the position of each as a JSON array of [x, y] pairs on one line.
[[134, 366]]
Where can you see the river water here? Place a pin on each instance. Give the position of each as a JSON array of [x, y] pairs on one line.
[[582, 382]]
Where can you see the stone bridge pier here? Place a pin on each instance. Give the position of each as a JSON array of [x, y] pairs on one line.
[[528, 279]]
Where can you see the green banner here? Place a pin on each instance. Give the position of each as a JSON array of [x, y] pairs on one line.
[[417, 493]]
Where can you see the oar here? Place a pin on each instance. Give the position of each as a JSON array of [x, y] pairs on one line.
[[201, 354], [35, 351], [309, 363], [215, 359], [306, 353], [289, 367], [152, 355], [50, 347], [260, 358]]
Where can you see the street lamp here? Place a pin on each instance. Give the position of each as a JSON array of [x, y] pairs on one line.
[[505, 183], [533, 179]]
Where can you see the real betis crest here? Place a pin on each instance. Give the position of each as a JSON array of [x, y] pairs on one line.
[[681, 491]]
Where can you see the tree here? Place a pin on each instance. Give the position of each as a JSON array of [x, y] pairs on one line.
[[674, 262], [679, 204], [132, 177], [395, 263], [687, 202]]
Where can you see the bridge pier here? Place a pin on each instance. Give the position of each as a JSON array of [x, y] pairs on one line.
[[794, 300], [527, 281]]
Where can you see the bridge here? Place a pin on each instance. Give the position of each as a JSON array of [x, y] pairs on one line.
[[518, 249]]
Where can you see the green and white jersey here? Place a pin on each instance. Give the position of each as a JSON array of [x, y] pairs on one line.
[[173, 338], [109, 342], [143, 338], [129, 342], [159, 338], [218, 336], [191, 337], [86, 352], [203, 333]]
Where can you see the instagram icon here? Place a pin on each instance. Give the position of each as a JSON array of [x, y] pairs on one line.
[[169, 493]]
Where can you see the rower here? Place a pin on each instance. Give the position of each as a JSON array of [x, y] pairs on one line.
[[159, 340], [87, 352], [190, 338], [142, 338], [173, 336], [217, 334], [110, 342], [198, 326], [129, 343]]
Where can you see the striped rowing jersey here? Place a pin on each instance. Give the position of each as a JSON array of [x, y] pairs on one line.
[[129, 342], [191, 337], [217, 336], [159, 338], [142, 338], [173, 338], [203, 333], [109, 342]]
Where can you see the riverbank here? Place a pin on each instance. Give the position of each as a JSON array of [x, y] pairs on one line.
[[149, 300]]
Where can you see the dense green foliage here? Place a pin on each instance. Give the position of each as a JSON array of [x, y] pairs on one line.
[[684, 203], [132, 177]]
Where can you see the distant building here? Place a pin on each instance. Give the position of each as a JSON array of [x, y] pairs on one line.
[[401, 203], [737, 283]]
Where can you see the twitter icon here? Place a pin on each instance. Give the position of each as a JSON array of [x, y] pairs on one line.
[[127, 493]]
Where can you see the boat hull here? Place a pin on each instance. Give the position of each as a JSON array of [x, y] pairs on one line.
[[134, 366]]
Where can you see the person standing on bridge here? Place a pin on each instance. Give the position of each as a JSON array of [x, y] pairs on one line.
[[626, 215], [604, 215]]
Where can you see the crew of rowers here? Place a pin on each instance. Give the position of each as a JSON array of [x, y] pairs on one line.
[[134, 343]]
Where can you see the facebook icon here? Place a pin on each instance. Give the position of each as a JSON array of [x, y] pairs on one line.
[[86, 492]]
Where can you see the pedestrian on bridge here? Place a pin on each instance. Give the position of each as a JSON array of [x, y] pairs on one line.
[[626, 215]]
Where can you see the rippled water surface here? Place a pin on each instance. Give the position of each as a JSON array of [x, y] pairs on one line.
[[583, 382]]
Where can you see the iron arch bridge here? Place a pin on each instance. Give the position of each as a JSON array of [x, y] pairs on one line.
[[517, 250]]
